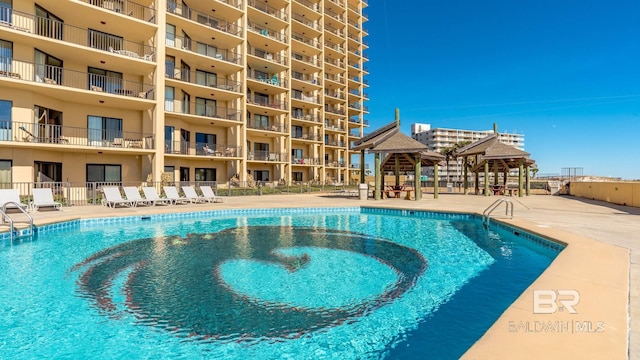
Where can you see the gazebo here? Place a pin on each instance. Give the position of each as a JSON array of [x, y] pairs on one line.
[[402, 154], [489, 154]]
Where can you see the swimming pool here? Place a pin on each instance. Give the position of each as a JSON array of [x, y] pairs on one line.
[[269, 284]]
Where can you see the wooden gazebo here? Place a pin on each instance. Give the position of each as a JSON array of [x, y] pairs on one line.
[[402, 154], [490, 155]]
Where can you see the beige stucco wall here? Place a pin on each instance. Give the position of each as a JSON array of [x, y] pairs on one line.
[[622, 193]]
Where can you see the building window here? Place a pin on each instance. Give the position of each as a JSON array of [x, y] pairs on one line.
[[5, 172], [261, 99], [6, 53], [105, 41], [171, 171], [205, 174], [206, 78], [296, 176], [296, 153], [296, 131], [47, 171], [260, 122], [104, 173], [105, 80], [261, 175], [205, 107], [103, 129], [168, 98], [5, 12], [205, 139], [48, 24], [5, 119]]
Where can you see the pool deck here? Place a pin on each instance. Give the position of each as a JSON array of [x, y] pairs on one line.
[[601, 263]]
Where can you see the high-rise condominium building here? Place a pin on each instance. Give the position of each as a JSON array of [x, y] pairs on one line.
[[439, 139], [123, 91]]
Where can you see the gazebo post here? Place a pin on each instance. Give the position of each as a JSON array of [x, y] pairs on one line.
[[377, 177], [465, 181], [362, 167], [436, 180], [505, 175], [496, 174], [486, 178], [477, 180], [527, 180], [417, 182], [397, 168], [520, 173]]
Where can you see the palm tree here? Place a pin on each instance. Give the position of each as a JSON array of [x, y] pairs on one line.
[[450, 154]]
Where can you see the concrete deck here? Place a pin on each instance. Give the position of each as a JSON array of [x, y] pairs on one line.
[[601, 262]]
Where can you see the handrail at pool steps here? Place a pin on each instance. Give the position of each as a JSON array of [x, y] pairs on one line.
[[5, 216], [486, 214]]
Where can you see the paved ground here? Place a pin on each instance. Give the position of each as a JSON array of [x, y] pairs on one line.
[[605, 223]]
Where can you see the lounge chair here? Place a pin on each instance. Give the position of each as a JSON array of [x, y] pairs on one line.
[[10, 199], [151, 194], [172, 193], [207, 193], [113, 198], [132, 193], [190, 193], [43, 198]]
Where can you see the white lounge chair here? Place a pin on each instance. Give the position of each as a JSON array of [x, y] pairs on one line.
[[132, 193], [190, 193], [207, 193], [43, 198], [172, 193], [113, 198], [10, 199], [151, 194]]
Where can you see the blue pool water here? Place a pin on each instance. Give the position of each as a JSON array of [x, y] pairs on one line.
[[345, 283]]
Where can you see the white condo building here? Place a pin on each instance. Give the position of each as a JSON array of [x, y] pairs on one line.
[[438, 139]]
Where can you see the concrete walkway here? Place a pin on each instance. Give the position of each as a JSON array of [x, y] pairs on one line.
[[573, 220]]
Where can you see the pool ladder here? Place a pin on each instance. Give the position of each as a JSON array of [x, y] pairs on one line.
[[486, 214], [6, 218]]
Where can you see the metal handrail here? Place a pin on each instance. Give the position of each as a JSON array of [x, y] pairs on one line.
[[486, 214], [11, 222]]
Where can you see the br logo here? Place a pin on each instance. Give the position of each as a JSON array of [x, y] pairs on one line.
[[550, 301]]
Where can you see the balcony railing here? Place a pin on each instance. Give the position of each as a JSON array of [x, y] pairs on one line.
[[334, 94], [201, 109], [334, 46], [333, 163], [303, 20], [306, 78], [334, 15], [307, 59], [267, 79], [335, 62], [128, 8], [277, 127], [234, 3], [307, 40], [50, 134], [337, 127], [192, 78], [201, 149], [58, 30], [53, 75], [267, 55], [265, 102], [339, 143], [262, 30], [267, 156], [205, 19], [308, 98], [355, 134], [354, 92], [306, 136], [334, 110], [207, 50], [270, 10], [307, 117], [335, 78], [334, 31], [311, 5], [338, 2], [305, 161]]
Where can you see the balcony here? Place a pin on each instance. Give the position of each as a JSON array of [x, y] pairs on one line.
[[64, 136], [53, 75], [273, 126], [334, 46], [193, 78], [306, 117], [306, 40], [335, 78], [334, 127], [307, 98], [267, 156], [304, 21], [334, 62], [270, 33], [305, 161], [266, 103], [306, 136], [57, 30], [338, 143], [306, 59], [306, 78], [333, 163], [200, 109], [202, 149], [334, 15], [204, 19], [334, 94], [269, 10], [311, 5], [334, 31], [276, 58], [274, 79], [208, 50], [128, 8], [334, 110]]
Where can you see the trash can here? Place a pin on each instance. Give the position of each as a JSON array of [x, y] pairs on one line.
[[364, 191], [449, 187]]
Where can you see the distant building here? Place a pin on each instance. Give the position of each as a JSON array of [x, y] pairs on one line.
[[438, 139]]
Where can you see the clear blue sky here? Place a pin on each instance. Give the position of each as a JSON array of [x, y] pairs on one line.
[[566, 73]]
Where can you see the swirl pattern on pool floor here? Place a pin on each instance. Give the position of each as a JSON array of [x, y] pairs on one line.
[[175, 282]]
